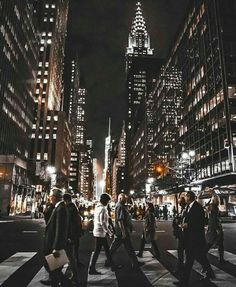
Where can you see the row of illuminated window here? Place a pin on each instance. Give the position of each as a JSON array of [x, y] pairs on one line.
[[48, 6], [47, 136], [209, 105]]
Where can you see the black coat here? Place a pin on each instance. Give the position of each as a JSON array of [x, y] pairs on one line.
[[75, 225], [56, 233], [194, 234]]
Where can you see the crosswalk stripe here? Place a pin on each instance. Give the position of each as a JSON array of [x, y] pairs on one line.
[[221, 277], [108, 278], [41, 275], [227, 255], [155, 272], [13, 263]]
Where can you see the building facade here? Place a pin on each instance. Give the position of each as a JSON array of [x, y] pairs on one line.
[[18, 64], [52, 21]]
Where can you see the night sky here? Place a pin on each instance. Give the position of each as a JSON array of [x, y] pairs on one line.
[[99, 30]]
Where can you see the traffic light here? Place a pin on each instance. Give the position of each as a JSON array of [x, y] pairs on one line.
[[160, 170]]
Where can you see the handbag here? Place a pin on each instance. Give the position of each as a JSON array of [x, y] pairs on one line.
[[57, 262]]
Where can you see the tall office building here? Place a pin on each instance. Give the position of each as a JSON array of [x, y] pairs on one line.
[[142, 68], [86, 170], [204, 56], [52, 20], [18, 64], [138, 47]]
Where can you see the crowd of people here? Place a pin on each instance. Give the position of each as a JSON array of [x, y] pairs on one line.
[[64, 230]]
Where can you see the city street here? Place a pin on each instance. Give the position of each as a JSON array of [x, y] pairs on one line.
[[21, 258]]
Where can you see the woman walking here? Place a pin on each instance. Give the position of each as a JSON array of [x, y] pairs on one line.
[[100, 230], [215, 234], [149, 232]]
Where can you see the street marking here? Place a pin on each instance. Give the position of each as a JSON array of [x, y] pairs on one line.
[[29, 231], [41, 275], [108, 278], [155, 272], [10, 265], [230, 257], [6, 221], [222, 278], [160, 231]]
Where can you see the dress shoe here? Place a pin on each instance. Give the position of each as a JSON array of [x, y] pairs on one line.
[[93, 271], [46, 282], [140, 255]]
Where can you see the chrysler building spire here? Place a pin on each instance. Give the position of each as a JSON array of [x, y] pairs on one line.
[[139, 39]]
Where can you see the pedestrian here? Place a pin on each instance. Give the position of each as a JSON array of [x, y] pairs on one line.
[[157, 211], [165, 212], [123, 227], [177, 231], [56, 234], [100, 231], [215, 234], [149, 232], [74, 234], [194, 240]]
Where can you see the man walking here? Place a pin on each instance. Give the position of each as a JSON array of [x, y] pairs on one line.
[[123, 228], [56, 234], [194, 240], [74, 234], [100, 231], [177, 231]]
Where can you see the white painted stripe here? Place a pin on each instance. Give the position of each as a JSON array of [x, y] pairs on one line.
[[227, 255], [10, 265], [160, 231], [108, 278], [222, 278], [155, 272], [6, 221], [29, 231], [41, 275]]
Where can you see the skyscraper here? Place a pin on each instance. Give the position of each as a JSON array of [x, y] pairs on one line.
[[52, 21], [138, 47], [18, 63], [142, 69]]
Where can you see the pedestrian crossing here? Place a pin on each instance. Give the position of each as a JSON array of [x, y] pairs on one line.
[[108, 277], [154, 272], [13, 263], [222, 277]]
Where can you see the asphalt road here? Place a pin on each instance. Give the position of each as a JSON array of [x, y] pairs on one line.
[[26, 235]]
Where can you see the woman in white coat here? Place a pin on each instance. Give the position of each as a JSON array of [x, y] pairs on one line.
[[100, 231]]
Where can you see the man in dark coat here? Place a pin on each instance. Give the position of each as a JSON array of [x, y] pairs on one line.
[[194, 239], [56, 233], [74, 233]]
